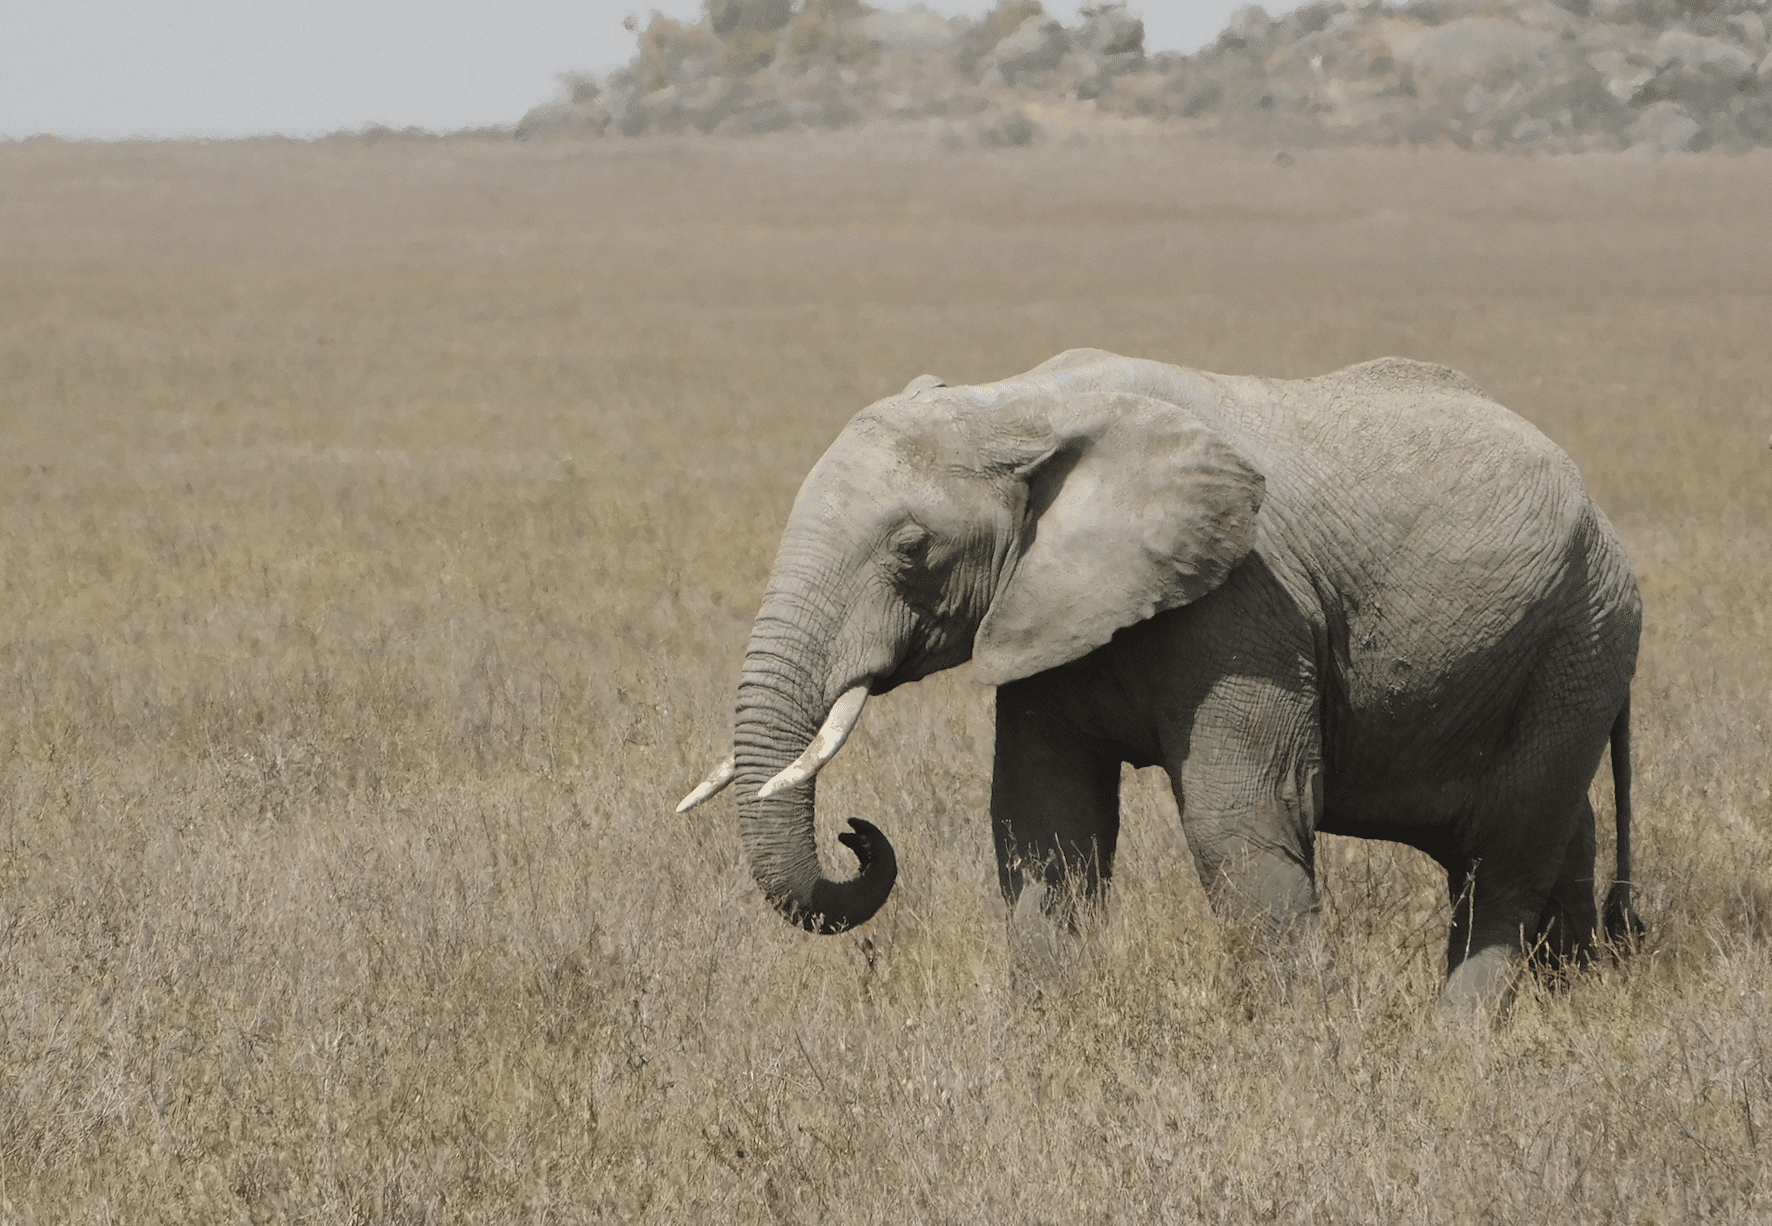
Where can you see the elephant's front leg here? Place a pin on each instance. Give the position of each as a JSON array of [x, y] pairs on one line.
[[1055, 808], [1247, 772]]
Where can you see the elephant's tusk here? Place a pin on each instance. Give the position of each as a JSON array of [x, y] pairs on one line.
[[717, 779], [825, 742]]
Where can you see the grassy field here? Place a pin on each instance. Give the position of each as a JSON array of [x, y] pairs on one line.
[[380, 528]]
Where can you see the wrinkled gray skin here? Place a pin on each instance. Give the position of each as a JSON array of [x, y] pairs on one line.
[[1374, 603]]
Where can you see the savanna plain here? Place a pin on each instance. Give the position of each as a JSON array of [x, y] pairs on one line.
[[380, 529]]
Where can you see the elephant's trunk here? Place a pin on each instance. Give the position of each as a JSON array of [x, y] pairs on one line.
[[782, 711]]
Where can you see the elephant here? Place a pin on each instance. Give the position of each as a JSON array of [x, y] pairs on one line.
[[1372, 603]]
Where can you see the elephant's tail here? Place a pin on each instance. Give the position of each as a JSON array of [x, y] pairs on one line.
[[1622, 923]]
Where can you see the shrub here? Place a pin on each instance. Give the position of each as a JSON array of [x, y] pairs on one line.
[[744, 51], [996, 25], [665, 45]]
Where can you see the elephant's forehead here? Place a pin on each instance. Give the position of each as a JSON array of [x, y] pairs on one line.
[[880, 468], [922, 434], [855, 477]]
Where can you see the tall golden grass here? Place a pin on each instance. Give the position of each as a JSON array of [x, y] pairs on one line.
[[380, 527]]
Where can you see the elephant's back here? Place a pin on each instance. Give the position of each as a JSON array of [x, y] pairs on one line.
[[1395, 416], [1432, 533], [1408, 472]]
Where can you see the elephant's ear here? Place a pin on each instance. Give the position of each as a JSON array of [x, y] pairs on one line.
[[1134, 506], [922, 383]]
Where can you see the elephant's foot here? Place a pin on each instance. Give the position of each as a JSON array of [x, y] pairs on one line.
[[1280, 960], [1305, 961], [1048, 939], [1031, 929], [1481, 983]]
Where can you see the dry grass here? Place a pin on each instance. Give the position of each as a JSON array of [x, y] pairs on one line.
[[380, 527]]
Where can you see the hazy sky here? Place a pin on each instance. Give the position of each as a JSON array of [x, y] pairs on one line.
[[117, 68]]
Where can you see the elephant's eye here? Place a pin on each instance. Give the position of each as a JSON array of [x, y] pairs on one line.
[[910, 544]]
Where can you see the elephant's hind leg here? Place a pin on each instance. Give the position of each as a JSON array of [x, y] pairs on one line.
[[1566, 926], [1523, 878], [1531, 893], [1495, 909]]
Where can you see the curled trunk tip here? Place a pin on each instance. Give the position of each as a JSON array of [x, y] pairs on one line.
[[836, 906]]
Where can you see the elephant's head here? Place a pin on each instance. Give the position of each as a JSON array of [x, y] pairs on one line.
[[1020, 530]]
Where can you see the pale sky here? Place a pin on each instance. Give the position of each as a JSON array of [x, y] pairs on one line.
[[112, 69]]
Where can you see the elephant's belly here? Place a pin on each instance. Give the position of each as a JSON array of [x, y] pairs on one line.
[[1445, 807], [1423, 799], [1424, 815], [1485, 746], [1409, 751]]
